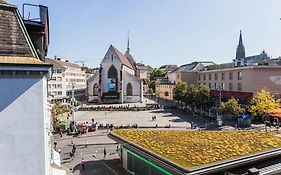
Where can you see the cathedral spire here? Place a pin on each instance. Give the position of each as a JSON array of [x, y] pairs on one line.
[[128, 43], [240, 51]]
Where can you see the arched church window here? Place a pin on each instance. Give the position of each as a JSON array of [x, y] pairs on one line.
[[112, 77], [96, 89], [129, 89]]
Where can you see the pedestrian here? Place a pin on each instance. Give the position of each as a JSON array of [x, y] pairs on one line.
[[104, 153], [60, 132], [74, 148], [71, 155], [86, 144], [83, 164]]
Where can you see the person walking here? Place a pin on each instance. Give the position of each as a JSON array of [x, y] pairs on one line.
[[74, 148], [104, 153], [82, 164], [71, 155]]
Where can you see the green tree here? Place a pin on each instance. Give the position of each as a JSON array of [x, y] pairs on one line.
[[262, 103], [157, 72], [231, 107], [179, 91], [203, 96], [191, 95]]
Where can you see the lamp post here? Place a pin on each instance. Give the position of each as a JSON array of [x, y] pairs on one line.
[[72, 102]]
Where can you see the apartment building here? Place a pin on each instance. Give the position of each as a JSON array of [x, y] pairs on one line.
[[244, 81], [66, 77]]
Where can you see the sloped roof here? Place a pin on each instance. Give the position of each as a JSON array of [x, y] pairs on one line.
[[55, 64], [185, 67], [130, 58], [122, 57], [14, 39]]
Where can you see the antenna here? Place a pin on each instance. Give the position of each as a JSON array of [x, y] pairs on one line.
[[82, 62]]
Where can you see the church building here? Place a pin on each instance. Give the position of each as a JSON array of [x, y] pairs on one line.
[[120, 79]]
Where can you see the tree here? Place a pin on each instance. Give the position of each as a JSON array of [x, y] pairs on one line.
[[190, 95], [231, 107], [179, 91], [203, 96], [262, 103], [157, 72], [59, 109]]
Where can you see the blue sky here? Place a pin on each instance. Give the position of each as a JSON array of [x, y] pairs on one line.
[[162, 31]]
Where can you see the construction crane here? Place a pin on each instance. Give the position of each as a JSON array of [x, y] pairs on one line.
[[82, 62]]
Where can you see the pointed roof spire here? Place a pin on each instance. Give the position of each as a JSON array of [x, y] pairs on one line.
[[240, 51], [240, 38], [128, 43]]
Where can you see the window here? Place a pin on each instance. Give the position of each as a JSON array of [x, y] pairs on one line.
[[222, 86], [54, 86], [239, 86], [210, 85], [49, 86], [204, 77], [59, 86], [239, 75], [96, 90], [111, 57], [59, 92], [230, 87], [222, 76], [178, 75], [230, 76], [129, 89], [166, 93], [216, 76], [58, 71], [210, 76], [199, 77], [59, 79], [216, 86]]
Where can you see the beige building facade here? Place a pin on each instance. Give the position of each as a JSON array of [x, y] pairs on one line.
[[249, 79]]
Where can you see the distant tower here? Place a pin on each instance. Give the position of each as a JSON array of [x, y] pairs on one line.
[[240, 51], [128, 43]]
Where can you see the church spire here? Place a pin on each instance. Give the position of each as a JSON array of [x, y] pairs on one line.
[[240, 51], [128, 43]]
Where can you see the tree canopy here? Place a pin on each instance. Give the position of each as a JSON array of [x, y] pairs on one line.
[[262, 103], [231, 107]]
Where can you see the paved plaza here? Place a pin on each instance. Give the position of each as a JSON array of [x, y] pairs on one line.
[[90, 146]]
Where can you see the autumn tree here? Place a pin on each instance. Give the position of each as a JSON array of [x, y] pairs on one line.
[[262, 103], [59, 109], [231, 107]]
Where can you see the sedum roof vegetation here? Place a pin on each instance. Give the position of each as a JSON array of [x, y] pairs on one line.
[[190, 149]]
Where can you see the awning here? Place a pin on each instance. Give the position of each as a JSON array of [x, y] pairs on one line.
[[234, 94]]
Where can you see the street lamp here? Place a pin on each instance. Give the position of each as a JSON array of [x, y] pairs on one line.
[[72, 102]]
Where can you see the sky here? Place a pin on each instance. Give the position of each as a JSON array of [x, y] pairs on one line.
[[162, 31]]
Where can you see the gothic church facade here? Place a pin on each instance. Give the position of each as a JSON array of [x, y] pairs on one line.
[[118, 80]]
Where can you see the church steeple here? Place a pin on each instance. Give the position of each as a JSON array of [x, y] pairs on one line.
[[240, 51], [128, 43]]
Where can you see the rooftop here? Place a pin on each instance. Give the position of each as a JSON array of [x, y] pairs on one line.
[[192, 149]]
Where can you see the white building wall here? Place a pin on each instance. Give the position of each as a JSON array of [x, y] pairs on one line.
[[136, 84], [106, 63], [91, 82], [172, 77], [24, 145]]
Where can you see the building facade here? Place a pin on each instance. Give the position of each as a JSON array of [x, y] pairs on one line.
[[66, 77], [120, 79], [25, 123]]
